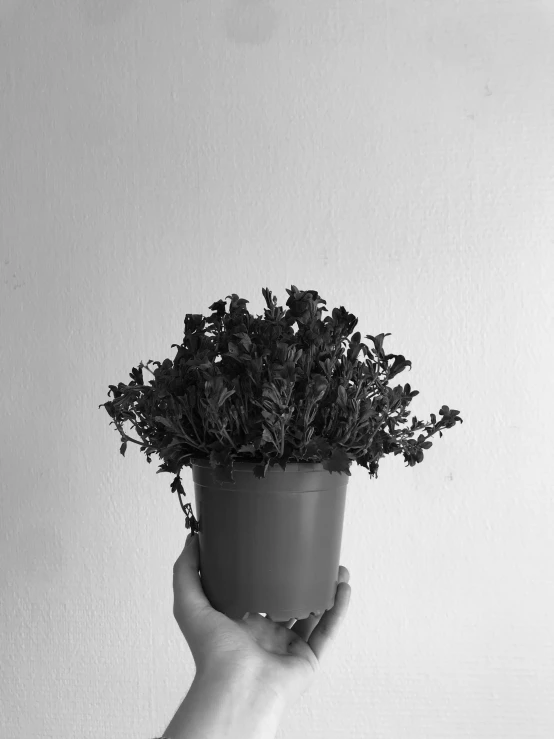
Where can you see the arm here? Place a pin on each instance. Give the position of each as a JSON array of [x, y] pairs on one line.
[[227, 705], [248, 671]]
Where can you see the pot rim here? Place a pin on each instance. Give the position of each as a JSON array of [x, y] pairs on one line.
[[246, 464]]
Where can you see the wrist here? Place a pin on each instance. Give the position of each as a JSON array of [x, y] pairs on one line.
[[229, 703]]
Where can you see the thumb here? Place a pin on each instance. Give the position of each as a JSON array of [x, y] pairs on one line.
[[189, 597]]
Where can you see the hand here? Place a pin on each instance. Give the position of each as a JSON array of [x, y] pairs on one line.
[[286, 656]]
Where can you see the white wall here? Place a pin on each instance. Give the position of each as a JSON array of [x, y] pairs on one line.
[[397, 157]]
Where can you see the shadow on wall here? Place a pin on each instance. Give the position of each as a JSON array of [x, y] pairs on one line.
[[252, 22]]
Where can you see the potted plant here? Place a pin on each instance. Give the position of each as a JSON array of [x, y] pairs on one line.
[[270, 420]]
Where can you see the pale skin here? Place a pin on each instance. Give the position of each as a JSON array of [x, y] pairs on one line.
[[278, 660]]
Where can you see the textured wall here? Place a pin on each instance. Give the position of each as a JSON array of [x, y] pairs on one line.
[[396, 156]]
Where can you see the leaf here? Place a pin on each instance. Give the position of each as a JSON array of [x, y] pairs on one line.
[[224, 396], [176, 486], [338, 462], [399, 365], [245, 340], [246, 449], [260, 470], [378, 343], [342, 399], [318, 447], [300, 388], [367, 412]]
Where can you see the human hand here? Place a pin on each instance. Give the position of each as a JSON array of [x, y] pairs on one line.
[[285, 656]]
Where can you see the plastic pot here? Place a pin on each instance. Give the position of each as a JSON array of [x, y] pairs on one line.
[[270, 545]]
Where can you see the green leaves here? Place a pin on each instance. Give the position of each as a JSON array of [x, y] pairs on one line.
[[254, 387]]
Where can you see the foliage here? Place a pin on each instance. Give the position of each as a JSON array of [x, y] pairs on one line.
[[252, 388]]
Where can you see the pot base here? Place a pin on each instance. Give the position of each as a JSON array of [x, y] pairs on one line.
[[297, 615], [286, 616]]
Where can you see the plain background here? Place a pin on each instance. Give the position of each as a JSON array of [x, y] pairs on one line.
[[396, 156]]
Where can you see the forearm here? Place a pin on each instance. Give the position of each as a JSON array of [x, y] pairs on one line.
[[227, 706]]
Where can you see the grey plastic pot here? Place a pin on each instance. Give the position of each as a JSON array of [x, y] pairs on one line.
[[270, 545]]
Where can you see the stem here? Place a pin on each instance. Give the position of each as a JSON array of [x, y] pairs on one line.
[[368, 445], [223, 430], [186, 410], [128, 438]]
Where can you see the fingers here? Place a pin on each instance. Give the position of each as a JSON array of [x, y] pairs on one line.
[[305, 626], [188, 596], [286, 624], [328, 627]]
